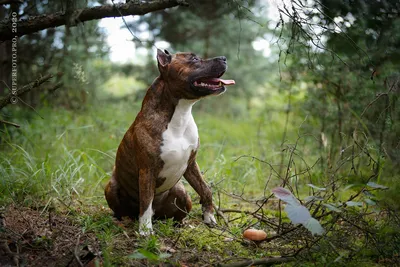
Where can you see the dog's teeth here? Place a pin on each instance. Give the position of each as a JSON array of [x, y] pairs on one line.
[[208, 85]]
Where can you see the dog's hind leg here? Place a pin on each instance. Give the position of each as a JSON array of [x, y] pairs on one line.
[[121, 203], [174, 203], [111, 194]]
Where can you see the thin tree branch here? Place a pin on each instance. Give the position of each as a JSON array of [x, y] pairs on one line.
[[55, 87], [7, 2], [26, 88], [262, 261], [254, 214], [37, 23], [10, 123]]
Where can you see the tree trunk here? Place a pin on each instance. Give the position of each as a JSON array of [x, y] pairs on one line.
[[5, 66]]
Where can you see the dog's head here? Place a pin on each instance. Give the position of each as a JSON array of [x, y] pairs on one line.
[[191, 77]]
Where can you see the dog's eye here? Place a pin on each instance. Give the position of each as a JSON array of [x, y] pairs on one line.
[[195, 59]]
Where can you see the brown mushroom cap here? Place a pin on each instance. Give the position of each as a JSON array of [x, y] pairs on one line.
[[254, 234]]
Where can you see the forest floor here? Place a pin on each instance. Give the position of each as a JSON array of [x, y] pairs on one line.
[[91, 237], [32, 238]]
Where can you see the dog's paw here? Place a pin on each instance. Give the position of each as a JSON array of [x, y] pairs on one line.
[[145, 232], [145, 222], [145, 229], [145, 226], [209, 219]]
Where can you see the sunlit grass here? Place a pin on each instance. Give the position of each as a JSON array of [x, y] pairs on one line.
[[69, 154], [120, 86]]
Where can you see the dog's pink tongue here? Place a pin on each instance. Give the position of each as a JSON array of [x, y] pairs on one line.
[[225, 82]]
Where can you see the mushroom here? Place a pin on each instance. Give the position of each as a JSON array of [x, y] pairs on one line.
[[254, 234]]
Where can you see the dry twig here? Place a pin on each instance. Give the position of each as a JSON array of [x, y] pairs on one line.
[[262, 261]]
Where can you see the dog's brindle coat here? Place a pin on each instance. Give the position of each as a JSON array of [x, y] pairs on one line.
[[161, 144]]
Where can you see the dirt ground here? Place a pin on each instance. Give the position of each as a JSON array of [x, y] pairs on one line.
[[43, 237], [30, 238]]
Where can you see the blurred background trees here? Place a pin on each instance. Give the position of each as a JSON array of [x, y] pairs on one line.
[[60, 50], [354, 78]]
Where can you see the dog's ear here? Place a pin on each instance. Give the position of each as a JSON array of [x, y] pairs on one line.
[[163, 58]]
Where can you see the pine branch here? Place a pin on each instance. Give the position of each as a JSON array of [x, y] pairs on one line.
[[26, 88], [37, 23]]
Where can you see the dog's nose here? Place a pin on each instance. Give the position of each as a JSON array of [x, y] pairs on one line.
[[223, 58]]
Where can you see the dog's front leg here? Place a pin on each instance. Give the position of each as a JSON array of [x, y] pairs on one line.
[[146, 195], [195, 179]]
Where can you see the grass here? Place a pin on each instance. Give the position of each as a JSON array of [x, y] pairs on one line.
[[71, 153], [63, 161]]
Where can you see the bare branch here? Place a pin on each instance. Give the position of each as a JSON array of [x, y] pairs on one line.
[[37, 23], [262, 261], [10, 123], [26, 88], [8, 2]]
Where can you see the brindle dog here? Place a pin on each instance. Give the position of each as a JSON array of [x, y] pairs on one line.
[[161, 145]]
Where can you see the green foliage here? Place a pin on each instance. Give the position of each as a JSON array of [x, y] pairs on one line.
[[166, 228], [375, 30], [122, 86], [150, 245], [152, 257]]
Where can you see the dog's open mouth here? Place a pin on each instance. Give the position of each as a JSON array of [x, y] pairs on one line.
[[212, 83]]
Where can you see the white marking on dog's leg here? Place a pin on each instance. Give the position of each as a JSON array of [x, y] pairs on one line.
[[209, 218], [145, 224]]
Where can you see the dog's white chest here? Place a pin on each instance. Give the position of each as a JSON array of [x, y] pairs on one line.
[[179, 140]]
